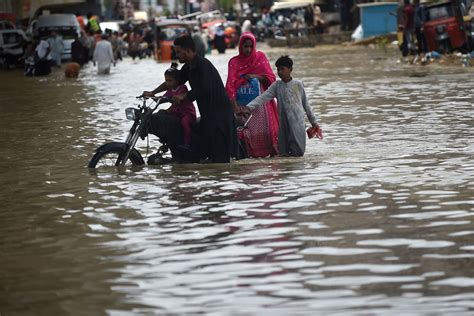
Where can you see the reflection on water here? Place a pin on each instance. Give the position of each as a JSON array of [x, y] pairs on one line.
[[376, 218]]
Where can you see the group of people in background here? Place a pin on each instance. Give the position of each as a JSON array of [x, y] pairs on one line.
[[102, 49], [42, 54], [94, 45]]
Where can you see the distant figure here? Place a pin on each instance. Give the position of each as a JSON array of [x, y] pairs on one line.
[[134, 41], [93, 23], [118, 12], [319, 23], [72, 70], [346, 15], [309, 17], [419, 21], [80, 20], [57, 47], [247, 26], [201, 46], [208, 40], [104, 56], [42, 59], [219, 39], [128, 11], [77, 51], [408, 26], [29, 58], [118, 45], [88, 41]]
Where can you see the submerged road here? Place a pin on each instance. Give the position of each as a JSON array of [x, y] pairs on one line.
[[375, 219]]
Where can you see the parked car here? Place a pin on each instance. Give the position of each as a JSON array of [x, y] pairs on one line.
[[65, 25], [12, 45]]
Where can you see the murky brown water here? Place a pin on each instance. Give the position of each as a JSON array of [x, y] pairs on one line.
[[375, 219]]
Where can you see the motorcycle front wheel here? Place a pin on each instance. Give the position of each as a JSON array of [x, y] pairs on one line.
[[108, 157]]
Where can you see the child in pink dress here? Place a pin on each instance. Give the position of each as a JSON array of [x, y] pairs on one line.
[[185, 110]]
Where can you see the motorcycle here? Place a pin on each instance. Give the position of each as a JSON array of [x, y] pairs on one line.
[[125, 153]]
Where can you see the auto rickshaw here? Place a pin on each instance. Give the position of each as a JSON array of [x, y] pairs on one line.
[[445, 29], [167, 31]]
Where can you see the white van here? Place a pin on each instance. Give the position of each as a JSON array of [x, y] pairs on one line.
[[65, 25]]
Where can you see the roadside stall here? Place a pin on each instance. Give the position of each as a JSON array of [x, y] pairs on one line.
[[377, 18]]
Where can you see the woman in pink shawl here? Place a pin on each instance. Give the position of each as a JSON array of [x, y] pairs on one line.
[[261, 135]]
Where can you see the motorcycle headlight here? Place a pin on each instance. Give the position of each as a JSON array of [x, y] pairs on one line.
[[130, 114]]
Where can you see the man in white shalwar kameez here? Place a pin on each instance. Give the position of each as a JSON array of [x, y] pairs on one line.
[[104, 56], [57, 47]]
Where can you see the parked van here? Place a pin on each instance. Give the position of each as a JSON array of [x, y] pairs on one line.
[[65, 25]]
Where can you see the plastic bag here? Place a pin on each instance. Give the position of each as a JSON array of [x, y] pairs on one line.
[[315, 131], [248, 91]]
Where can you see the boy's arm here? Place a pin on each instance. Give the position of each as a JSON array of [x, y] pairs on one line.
[[268, 95], [307, 107]]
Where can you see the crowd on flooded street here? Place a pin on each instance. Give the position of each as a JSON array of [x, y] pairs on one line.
[[375, 218], [269, 131], [421, 38], [247, 100], [101, 47], [134, 41]]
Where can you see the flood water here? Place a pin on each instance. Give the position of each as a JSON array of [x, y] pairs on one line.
[[375, 219]]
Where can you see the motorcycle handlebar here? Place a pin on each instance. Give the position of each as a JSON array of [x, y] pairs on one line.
[[158, 100]]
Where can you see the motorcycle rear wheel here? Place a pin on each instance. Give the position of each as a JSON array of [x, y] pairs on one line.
[[108, 158]]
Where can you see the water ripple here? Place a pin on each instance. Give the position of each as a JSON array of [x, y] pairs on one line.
[[375, 219]]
